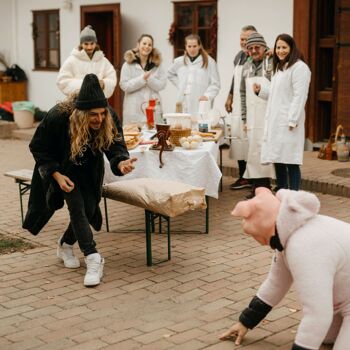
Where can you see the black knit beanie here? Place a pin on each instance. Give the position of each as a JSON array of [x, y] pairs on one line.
[[91, 94]]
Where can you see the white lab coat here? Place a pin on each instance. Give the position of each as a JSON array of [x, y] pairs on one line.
[[256, 110], [193, 81], [288, 94], [239, 141], [137, 91], [78, 64]]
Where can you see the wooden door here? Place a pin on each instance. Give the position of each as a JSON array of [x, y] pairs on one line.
[[105, 20], [322, 32], [342, 107]]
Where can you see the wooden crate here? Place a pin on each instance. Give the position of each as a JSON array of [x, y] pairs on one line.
[[13, 91]]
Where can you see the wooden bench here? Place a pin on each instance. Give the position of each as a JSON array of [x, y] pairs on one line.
[[161, 199], [24, 178]]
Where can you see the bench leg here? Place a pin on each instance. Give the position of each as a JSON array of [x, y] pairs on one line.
[[20, 201], [169, 243], [207, 215], [148, 221], [106, 213], [220, 166], [23, 189]]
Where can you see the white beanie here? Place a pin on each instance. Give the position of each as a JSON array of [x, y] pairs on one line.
[[87, 35]]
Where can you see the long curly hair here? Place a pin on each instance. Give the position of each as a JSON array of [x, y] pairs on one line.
[[81, 135]]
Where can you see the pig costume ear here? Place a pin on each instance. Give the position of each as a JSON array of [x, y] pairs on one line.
[[297, 207], [304, 203]]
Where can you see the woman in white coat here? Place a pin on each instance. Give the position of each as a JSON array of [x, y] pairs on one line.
[[283, 143], [142, 77], [195, 75]]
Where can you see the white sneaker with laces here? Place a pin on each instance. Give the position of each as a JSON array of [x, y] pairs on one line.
[[65, 252], [94, 269]]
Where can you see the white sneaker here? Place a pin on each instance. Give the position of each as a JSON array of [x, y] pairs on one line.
[[94, 269], [65, 252]]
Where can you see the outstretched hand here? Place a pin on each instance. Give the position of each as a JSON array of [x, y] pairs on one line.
[[127, 166], [237, 331]]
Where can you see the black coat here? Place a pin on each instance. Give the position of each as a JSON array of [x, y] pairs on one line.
[[50, 147]]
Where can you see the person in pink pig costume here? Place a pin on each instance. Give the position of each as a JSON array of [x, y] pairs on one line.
[[312, 251]]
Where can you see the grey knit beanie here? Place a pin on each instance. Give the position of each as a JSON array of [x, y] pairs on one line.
[[87, 35], [255, 38]]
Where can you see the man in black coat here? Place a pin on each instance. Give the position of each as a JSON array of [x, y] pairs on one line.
[[68, 148]]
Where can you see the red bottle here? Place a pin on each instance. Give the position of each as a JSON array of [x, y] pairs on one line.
[[150, 111]]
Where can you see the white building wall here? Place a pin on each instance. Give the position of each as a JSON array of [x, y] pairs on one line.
[[271, 17], [7, 31]]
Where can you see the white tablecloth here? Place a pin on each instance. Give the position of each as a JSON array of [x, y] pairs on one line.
[[196, 167]]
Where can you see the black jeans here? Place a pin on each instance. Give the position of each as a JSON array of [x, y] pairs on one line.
[[288, 176], [261, 182], [242, 164], [81, 211]]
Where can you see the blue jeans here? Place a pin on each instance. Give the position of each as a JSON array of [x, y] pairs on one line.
[[80, 211], [288, 176]]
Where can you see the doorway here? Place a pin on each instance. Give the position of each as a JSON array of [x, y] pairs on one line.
[[105, 20], [322, 32]]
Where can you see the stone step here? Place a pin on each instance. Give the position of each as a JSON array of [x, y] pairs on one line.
[[307, 184], [24, 134], [6, 129]]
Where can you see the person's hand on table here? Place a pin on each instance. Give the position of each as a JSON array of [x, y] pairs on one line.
[[127, 166], [203, 98]]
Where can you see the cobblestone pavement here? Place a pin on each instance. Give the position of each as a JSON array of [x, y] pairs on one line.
[[182, 304]]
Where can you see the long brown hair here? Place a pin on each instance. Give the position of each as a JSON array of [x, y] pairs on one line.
[[293, 56], [81, 136], [202, 52]]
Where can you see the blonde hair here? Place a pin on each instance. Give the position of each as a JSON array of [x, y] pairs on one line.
[[202, 52], [80, 133]]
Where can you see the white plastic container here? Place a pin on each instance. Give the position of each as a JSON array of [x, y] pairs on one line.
[[23, 119], [173, 119]]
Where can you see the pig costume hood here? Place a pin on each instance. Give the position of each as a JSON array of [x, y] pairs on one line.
[[284, 213]]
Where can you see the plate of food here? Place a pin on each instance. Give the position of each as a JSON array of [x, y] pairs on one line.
[[213, 135], [131, 141]]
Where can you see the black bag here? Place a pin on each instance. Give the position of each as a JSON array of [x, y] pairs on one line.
[[16, 72]]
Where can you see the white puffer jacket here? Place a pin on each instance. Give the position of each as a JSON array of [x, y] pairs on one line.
[[316, 260], [78, 64], [137, 90]]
